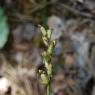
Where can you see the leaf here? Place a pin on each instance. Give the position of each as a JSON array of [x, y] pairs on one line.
[[4, 30]]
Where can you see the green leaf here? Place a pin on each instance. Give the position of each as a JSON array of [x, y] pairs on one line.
[[4, 30]]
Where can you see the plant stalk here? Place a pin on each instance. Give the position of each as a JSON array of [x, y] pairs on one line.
[[48, 89]]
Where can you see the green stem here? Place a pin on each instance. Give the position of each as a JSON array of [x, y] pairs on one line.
[[48, 89]]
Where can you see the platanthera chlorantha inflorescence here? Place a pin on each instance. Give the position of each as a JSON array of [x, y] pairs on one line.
[[46, 57]]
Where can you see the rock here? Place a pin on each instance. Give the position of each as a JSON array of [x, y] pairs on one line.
[[24, 32], [90, 4], [57, 25], [82, 46], [58, 48]]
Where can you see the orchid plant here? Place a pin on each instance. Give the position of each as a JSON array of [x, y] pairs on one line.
[[46, 57]]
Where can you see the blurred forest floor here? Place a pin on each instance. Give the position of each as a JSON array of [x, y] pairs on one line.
[[73, 24]]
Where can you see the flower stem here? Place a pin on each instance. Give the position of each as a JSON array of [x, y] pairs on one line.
[[48, 89]]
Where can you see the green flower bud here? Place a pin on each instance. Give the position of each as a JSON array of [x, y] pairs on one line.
[[44, 79], [49, 32], [43, 31], [45, 41], [50, 49]]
